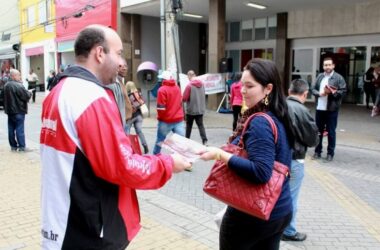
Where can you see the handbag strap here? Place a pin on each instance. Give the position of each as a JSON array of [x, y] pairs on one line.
[[268, 118]]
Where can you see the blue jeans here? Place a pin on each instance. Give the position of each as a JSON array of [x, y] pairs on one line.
[[328, 120], [137, 123], [164, 129], [16, 131], [297, 173]]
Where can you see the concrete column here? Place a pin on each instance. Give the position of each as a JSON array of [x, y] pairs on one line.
[[282, 58], [136, 44], [216, 43]]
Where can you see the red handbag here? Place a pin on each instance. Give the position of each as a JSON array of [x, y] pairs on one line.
[[255, 199], [135, 145]]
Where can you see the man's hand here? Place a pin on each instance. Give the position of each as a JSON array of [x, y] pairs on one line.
[[179, 163]]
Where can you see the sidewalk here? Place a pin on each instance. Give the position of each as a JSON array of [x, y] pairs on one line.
[[339, 205]]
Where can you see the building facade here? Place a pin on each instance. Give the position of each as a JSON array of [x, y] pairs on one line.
[[38, 49]]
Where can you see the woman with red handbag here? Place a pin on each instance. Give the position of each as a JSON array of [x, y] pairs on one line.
[[136, 120], [262, 92]]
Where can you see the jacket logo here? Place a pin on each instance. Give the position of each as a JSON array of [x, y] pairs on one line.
[[49, 124], [49, 235]]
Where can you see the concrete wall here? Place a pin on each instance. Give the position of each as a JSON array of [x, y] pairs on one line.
[[151, 43], [150, 40], [189, 43], [361, 18]]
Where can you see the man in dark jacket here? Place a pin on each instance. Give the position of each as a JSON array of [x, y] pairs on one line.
[[329, 90], [306, 135], [16, 99], [195, 98]]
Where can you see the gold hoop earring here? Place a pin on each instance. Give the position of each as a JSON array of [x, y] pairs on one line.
[[266, 100]]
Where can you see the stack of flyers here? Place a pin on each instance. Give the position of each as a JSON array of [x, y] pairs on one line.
[[190, 150]]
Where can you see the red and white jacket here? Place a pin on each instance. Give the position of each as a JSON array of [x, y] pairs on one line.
[[89, 172]]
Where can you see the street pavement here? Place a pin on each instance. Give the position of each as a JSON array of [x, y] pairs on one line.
[[339, 205]]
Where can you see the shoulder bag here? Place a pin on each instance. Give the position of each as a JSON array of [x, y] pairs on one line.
[[255, 199]]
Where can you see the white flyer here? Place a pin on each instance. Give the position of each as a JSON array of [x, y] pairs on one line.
[[183, 146]]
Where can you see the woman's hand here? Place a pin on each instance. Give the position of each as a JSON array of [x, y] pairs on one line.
[[214, 153]]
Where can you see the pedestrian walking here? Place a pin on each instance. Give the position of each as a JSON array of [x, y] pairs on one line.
[[305, 135], [32, 80], [195, 98], [369, 86], [120, 92], [236, 99], [50, 79], [328, 90], [169, 111], [16, 99], [136, 120], [262, 92], [89, 172]]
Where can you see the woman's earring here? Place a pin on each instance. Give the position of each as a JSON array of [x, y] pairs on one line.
[[266, 100]]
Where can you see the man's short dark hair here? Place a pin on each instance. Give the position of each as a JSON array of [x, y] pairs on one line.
[[328, 59], [298, 87], [89, 38]]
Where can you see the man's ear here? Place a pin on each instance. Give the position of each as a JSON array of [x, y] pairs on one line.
[[99, 53]]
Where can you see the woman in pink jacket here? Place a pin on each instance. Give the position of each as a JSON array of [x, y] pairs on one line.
[[236, 99]]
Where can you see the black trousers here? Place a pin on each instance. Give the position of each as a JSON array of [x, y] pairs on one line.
[[240, 231], [33, 85], [199, 121], [370, 92], [236, 109]]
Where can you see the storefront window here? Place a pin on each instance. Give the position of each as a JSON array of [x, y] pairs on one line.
[[302, 67]]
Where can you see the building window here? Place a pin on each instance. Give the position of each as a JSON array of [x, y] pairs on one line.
[[302, 66], [235, 55], [42, 12], [272, 27], [235, 32], [247, 30], [31, 16], [260, 28]]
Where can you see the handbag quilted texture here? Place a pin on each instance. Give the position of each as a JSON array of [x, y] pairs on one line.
[[255, 199]]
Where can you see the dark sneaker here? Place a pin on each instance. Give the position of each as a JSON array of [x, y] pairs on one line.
[[14, 149], [204, 142], [316, 156], [329, 158], [24, 150], [297, 237], [146, 149]]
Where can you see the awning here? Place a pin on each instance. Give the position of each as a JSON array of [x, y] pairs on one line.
[[34, 51], [66, 46], [7, 56], [7, 52]]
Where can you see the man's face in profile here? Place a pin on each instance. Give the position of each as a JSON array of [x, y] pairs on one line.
[[122, 70]]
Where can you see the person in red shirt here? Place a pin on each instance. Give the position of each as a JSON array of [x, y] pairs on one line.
[[169, 112], [236, 99]]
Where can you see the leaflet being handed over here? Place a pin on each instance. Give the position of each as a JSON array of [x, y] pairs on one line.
[[190, 150]]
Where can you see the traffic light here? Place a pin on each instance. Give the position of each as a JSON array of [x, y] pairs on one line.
[[16, 47]]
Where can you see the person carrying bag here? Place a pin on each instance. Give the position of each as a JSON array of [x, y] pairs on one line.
[[265, 149]]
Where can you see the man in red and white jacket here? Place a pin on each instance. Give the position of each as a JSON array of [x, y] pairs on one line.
[[89, 171], [169, 112]]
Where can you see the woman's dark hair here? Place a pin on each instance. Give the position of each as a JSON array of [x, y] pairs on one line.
[[265, 72], [87, 39]]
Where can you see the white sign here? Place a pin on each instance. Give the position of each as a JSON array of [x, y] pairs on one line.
[[214, 83]]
